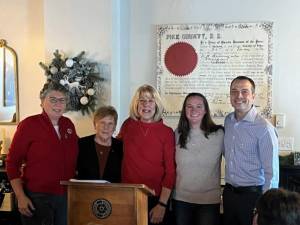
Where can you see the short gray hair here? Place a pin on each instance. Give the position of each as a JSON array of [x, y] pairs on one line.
[[53, 86]]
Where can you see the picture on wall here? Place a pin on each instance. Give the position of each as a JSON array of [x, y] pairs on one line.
[[206, 57]]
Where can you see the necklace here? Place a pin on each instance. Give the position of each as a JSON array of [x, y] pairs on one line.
[[144, 131]]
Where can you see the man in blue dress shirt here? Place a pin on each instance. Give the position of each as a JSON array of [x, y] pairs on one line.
[[251, 154]]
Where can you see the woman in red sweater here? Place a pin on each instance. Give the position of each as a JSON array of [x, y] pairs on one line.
[[149, 148], [46, 144]]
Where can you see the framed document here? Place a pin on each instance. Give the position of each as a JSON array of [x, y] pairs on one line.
[[206, 57]]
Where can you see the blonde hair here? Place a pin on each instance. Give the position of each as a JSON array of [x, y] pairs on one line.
[[146, 89]]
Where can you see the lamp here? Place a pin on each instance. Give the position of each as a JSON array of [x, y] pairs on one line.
[[2, 148], [3, 142]]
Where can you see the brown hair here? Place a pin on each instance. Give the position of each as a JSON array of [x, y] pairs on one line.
[[244, 78], [207, 124], [278, 207], [104, 111]]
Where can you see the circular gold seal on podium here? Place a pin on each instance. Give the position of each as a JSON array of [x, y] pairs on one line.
[[101, 208]]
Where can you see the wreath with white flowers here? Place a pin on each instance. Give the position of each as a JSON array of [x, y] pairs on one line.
[[79, 76]]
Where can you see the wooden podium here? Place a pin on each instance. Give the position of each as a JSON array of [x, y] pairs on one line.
[[91, 203]]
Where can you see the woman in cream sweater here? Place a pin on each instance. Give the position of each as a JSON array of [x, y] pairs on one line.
[[199, 143]]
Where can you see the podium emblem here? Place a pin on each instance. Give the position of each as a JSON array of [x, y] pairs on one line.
[[101, 208]]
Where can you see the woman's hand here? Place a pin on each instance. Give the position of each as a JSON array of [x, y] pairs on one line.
[[157, 214], [25, 206]]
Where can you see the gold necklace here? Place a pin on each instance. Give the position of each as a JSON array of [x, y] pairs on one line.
[[144, 132]]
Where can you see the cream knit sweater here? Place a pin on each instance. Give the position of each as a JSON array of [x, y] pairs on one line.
[[198, 168]]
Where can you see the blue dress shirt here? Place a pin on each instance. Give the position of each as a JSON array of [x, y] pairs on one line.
[[251, 151]]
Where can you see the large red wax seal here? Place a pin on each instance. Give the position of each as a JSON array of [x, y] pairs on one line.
[[181, 59]]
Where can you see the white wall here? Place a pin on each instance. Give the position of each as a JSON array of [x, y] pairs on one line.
[[144, 15], [121, 33], [73, 26]]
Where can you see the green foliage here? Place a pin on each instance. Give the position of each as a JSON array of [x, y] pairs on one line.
[[79, 76]]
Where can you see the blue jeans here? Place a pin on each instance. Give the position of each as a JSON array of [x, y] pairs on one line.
[[196, 214], [49, 209]]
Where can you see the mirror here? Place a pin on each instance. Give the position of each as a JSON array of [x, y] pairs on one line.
[[9, 109]]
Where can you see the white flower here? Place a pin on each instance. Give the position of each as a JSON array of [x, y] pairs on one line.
[[90, 91], [53, 70], [84, 100], [69, 62], [62, 82], [78, 79]]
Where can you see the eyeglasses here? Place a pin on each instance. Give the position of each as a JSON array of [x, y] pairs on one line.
[[107, 125], [54, 100], [144, 101]]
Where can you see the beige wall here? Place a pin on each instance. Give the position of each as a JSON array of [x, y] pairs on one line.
[[36, 28], [22, 26], [121, 34]]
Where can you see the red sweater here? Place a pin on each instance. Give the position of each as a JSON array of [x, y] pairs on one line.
[[149, 150], [48, 159]]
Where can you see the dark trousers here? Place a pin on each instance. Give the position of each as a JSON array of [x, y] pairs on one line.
[[196, 214], [238, 204], [49, 209]]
